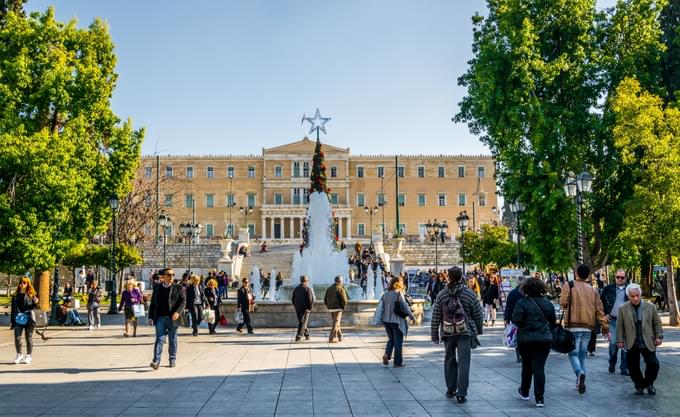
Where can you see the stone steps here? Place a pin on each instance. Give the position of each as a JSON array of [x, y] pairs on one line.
[[278, 257]]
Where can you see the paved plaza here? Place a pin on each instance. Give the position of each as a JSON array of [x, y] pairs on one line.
[[101, 373]]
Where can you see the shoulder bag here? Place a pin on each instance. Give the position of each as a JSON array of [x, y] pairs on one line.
[[398, 310], [563, 341]]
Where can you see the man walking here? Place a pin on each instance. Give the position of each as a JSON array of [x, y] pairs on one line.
[[303, 300], [167, 304], [639, 331], [583, 308], [335, 300], [613, 297], [459, 317]]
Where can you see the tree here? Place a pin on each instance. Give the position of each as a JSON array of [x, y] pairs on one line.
[[490, 246], [648, 137], [535, 89], [318, 176], [63, 151]]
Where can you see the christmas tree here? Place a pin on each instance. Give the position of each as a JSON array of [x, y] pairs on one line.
[[318, 176]]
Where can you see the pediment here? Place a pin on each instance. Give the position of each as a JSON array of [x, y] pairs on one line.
[[304, 146]]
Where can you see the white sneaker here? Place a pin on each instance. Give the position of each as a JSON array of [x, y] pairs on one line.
[[99, 326], [19, 358], [90, 327], [27, 360]]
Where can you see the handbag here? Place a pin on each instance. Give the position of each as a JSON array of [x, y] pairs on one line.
[[21, 319], [238, 317], [223, 321], [209, 315], [398, 310], [564, 340], [138, 310]]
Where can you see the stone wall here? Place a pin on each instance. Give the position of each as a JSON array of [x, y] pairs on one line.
[[204, 257]]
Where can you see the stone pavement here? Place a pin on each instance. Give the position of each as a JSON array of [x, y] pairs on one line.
[[101, 373]]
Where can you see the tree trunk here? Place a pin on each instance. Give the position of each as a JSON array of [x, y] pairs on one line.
[[646, 267], [674, 318], [42, 289]]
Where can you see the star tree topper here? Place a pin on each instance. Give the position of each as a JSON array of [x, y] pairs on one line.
[[317, 122]]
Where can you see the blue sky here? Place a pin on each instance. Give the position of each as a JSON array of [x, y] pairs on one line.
[[232, 77]]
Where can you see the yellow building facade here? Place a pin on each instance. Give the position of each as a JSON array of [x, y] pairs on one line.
[[272, 188]]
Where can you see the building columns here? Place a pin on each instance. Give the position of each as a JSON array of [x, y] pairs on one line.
[[264, 228]]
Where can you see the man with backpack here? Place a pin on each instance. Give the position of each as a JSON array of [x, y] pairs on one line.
[[459, 318]]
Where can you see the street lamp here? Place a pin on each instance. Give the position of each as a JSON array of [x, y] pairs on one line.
[[436, 231], [230, 203], [245, 211], [371, 212], [114, 203], [574, 187], [462, 221], [191, 230], [164, 221], [517, 207], [382, 203]]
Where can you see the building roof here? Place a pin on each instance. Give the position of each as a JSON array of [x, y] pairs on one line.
[[305, 145]]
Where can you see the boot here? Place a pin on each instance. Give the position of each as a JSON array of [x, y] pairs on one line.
[[134, 328]]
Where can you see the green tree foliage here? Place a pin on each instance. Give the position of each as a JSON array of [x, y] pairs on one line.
[[318, 176], [670, 23], [490, 246], [100, 255], [62, 150], [537, 90], [648, 138]]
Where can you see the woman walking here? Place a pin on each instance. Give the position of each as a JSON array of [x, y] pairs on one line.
[[130, 298], [213, 298], [245, 303], [94, 298], [534, 317], [23, 302], [489, 298], [195, 302], [394, 321]]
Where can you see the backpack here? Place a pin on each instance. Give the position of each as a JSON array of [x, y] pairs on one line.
[[453, 317]]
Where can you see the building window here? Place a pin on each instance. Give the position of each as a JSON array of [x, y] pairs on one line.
[[278, 199], [190, 172], [361, 229], [297, 196], [401, 199], [421, 200], [148, 171], [360, 172], [421, 171], [210, 200], [402, 229], [401, 171], [251, 171], [442, 199], [334, 198], [210, 173], [482, 200], [188, 200], [305, 169], [278, 171], [480, 172], [361, 200], [251, 199], [230, 172], [461, 171], [334, 172], [168, 172], [381, 172], [461, 199], [148, 199], [296, 169], [380, 199], [210, 230], [441, 171], [231, 200], [167, 201]]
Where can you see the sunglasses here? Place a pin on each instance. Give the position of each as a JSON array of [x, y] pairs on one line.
[[620, 277], [23, 283]]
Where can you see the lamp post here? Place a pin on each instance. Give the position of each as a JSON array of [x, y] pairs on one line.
[[462, 221], [381, 203], [191, 230], [517, 207], [436, 231], [164, 221], [371, 211], [55, 295], [574, 187], [114, 203], [231, 203], [245, 211]]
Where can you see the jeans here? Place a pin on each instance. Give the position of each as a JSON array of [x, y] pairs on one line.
[[395, 341], [28, 335], [164, 325], [577, 357], [303, 319], [336, 317], [457, 372], [651, 366], [534, 357], [93, 318], [196, 312], [613, 350]]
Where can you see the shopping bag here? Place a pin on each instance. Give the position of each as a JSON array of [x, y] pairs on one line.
[[238, 317], [209, 315], [510, 336], [138, 310], [223, 321]]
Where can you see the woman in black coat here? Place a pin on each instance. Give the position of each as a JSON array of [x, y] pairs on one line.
[[212, 297], [195, 302], [489, 298], [245, 302], [534, 317], [24, 302]]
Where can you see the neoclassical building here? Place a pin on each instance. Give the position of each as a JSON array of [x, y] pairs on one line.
[[275, 183]]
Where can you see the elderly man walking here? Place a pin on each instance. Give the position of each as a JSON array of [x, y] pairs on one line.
[[335, 300], [303, 300], [639, 331]]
